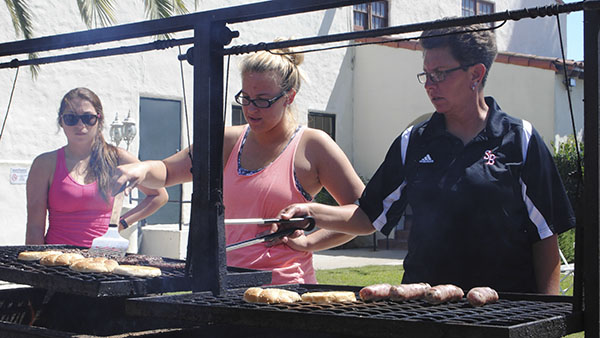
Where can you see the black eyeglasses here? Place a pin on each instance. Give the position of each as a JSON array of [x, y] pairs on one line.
[[73, 119], [440, 75], [258, 103]]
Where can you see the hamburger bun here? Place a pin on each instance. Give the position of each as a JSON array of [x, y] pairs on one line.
[[95, 264], [270, 296], [35, 255], [137, 271], [325, 297]]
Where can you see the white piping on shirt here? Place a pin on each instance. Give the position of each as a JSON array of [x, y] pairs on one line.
[[534, 214], [380, 221]]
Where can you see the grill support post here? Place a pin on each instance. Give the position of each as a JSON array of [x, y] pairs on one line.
[[591, 261], [206, 241]]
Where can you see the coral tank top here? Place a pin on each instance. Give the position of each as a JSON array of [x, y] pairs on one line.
[[77, 212], [262, 194]]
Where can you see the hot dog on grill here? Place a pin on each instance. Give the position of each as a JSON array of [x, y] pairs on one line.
[[480, 296], [443, 293], [408, 291], [375, 292]]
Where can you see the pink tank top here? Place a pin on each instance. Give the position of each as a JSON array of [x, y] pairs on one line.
[[262, 195], [77, 213]]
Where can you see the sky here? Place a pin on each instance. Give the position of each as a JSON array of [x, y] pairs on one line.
[[574, 34]]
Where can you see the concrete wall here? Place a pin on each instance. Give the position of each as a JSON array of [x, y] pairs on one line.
[[528, 36], [392, 99]]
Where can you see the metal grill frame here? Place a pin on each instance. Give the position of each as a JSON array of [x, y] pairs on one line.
[[206, 244], [63, 279], [514, 315]]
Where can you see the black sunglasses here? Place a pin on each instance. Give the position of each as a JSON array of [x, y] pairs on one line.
[[73, 119], [259, 103]]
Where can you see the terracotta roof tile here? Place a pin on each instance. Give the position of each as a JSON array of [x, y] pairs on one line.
[[526, 60]]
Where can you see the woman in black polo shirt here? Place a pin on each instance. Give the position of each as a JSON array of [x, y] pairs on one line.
[[487, 201]]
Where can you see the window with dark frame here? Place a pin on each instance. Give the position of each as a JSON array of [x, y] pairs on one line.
[[237, 116], [322, 121], [372, 15], [477, 7]]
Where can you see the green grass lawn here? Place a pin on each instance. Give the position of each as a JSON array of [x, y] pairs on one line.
[[375, 274]]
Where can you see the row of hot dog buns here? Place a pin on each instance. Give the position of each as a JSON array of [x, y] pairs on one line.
[[78, 262], [274, 295]]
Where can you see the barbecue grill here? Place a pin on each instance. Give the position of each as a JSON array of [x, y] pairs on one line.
[[216, 308], [514, 315], [63, 279]]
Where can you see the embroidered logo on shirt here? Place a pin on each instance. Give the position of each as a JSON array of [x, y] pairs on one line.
[[426, 159], [489, 157]]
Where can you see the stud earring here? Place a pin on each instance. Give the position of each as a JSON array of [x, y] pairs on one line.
[[474, 85]]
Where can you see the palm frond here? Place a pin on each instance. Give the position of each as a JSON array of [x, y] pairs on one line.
[[160, 9], [157, 9], [21, 17], [35, 69], [97, 13], [179, 7]]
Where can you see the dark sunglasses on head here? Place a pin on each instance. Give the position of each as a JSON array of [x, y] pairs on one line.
[[73, 119]]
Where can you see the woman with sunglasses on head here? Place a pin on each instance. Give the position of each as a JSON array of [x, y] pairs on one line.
[[486, 199], [270, 163], [72, 184]]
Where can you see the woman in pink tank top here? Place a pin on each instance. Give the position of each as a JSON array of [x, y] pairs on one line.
[[269, 163], [71, 186]]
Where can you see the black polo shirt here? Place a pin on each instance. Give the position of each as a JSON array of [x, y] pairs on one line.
[[476, 208]]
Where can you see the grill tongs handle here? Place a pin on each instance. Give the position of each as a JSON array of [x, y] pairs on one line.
[[269, 237]]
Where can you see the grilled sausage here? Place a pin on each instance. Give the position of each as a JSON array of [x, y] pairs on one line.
[[480, 296], [375, 292], [443, 293], [409, 291]]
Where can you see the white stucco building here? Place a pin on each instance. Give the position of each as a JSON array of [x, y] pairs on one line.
[[370, 91]]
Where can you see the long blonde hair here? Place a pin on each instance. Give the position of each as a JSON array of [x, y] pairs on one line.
[[104, 157], [283, 62]]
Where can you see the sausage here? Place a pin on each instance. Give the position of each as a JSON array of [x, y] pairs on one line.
[[409, 291], [375, 292], [482, 295], [443, 293]]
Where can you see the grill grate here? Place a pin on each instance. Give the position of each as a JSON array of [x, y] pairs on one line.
[[509, 317], [63, 279]]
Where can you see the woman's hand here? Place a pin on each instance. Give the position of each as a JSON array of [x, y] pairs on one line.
[[299, 243], [295, 210], [130, 175]]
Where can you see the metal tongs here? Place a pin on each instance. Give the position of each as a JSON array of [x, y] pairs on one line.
[[269, 237]]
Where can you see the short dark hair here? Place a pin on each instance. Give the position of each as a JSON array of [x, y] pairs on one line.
[[468, 44]]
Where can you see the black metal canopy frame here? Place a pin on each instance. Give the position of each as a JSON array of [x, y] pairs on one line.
[[206, 244]]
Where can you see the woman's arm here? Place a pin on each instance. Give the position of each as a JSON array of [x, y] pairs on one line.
[[336, 174], [546, 265], [38, 184], [155, 198], [318, 240], [154, 174], [349, 219], [334, 171]]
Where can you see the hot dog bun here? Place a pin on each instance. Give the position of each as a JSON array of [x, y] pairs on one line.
[[137, 271], [270, 296], [35, 255], [329, 297]]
